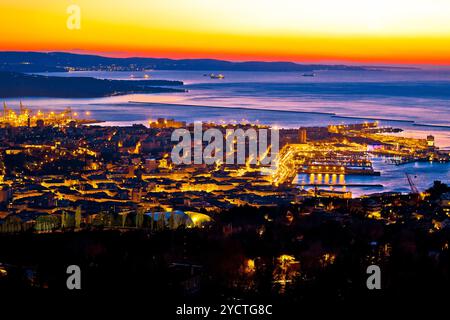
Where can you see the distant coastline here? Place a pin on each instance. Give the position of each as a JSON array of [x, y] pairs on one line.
[[13, 84], [35, 62]]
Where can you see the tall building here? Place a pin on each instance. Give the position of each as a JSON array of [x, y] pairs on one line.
[[5, 111], [430, 141], [302, 135]]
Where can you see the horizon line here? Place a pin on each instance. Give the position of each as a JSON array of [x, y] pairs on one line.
[[127, 55]]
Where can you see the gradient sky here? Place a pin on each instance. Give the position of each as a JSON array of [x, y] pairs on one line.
[[374, 31]]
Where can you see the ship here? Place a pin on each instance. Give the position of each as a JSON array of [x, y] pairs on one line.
[[216, 76], [145, 76], [312, 74]]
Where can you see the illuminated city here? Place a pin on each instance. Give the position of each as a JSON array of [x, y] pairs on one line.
[[224, 159], [26, 117]]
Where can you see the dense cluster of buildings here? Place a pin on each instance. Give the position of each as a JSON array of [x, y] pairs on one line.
[[57, 175]]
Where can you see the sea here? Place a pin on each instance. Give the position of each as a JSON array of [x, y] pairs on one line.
[[415, 100]]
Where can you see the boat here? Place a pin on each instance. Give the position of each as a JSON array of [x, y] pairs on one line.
[[312, 74], [145, 76], [216, 76]]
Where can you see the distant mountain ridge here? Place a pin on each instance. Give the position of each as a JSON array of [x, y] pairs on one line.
[[17, 61]]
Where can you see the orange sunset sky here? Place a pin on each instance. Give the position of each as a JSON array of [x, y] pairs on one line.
[[360, 31]]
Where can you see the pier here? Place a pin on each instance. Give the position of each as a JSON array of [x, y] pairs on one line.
[[321, 159]]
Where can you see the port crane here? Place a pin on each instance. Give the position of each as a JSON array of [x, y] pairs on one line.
[[413, 187]]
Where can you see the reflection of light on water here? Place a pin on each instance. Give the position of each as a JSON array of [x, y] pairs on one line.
[[392, 177], [319, 178], [333, 178]]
